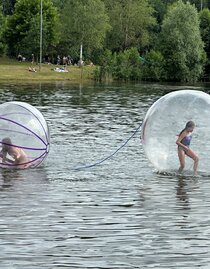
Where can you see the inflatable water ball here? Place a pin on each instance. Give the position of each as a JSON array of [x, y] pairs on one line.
[[24, 136], [163, 122]]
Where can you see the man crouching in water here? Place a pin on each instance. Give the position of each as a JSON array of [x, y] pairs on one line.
[[20, 158]]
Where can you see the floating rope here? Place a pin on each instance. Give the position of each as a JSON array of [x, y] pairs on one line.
[[111, 155]]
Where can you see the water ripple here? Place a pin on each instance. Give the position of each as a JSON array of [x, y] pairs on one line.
[[117, 215]]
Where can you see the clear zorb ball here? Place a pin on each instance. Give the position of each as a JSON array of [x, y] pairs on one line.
[[163, 122]]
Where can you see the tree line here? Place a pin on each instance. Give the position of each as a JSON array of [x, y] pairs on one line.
[[154, 40]]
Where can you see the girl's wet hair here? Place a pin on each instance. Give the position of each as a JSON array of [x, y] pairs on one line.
[[190, 124]]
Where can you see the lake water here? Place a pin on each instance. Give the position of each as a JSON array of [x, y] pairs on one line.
[[120, 214]]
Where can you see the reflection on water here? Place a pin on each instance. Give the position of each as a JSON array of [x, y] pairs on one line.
[[117, 215], [182, 192]]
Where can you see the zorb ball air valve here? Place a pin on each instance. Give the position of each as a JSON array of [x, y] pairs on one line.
[[24, 136], [164, 121]]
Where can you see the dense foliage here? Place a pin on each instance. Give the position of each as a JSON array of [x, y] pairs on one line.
[[152, 40], [130, 21], [88, 26], [181, 44], [23, 28], [2, 26]]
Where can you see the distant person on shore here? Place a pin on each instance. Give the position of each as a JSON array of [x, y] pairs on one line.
[[32, 58], [58, 60], [60, 69], [65, 60], [183, 143], [69, 60], [20, 58], [32, 69]]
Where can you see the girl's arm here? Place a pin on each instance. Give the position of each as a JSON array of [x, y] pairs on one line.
[[178, 141]]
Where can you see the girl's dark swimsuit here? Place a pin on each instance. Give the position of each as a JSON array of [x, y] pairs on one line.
[[186, 141]]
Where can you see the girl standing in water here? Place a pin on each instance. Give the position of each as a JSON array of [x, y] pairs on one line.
[[183, 143]]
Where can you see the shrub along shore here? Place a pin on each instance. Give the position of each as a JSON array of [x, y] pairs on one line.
[[12, 70]]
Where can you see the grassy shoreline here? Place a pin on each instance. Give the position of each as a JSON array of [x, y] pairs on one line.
[[12, 70]]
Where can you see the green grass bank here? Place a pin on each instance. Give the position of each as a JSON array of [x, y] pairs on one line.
[[12, 70]]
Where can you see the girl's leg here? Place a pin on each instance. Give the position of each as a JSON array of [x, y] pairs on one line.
[[190, 153], [181, 155]]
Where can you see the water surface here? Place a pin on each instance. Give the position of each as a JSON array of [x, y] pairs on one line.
[[121, 214]]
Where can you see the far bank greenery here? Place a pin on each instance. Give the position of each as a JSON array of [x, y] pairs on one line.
[[149, 40]]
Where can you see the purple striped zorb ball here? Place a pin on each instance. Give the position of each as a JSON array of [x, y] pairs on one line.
[[24, 136]]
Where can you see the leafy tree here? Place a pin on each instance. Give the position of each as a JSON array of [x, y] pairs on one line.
[[2, 26], [129, 65], [83, 22], [59, 4], [181, 44], [160, 10], [131, 21], [23, 27], [126, 65], [153, 66], [160, 7], [199, 4], [207, 4], [205, 30], [107, 66], [8, 6]]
